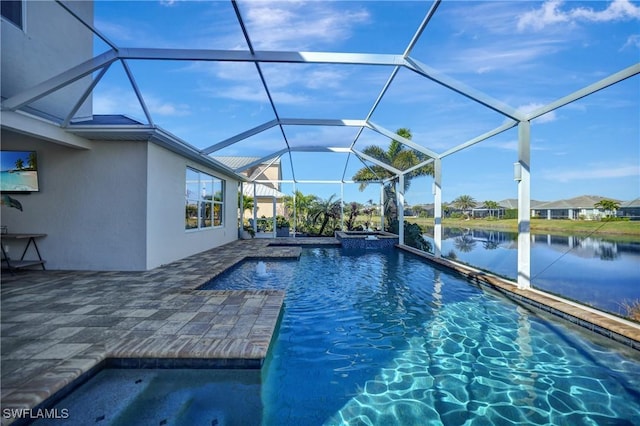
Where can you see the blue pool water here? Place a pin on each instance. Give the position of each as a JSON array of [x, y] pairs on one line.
[[382, 338]]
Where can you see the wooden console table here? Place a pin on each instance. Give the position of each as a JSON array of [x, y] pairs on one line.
[[22, 263]]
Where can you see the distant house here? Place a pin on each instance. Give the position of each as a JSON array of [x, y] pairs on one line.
[[267, 193], [582, 207], [504, 205], [630, 209]]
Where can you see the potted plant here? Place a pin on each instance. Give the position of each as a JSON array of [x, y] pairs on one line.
[[247, 232], [282, 226]]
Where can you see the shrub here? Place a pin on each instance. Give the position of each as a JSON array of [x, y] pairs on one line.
[[282, 222], [412, 235], [632, 309], [510, 214]]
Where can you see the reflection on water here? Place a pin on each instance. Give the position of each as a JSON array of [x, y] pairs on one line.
[[599, 272]]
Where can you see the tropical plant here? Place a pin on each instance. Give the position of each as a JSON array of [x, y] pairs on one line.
[[303, 204], [413, 235], [353, 211], [492, 206], [9, 201], [368, 210], [398, 157], [245, 202], [282, 222], [609, 206], [464, 203], [632, 309], [325, 210], [250, 230], [419, 211]]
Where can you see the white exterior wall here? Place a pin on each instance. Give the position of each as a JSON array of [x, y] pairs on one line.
[[167, 238], [91, 204], [117, 206], [50, 42]]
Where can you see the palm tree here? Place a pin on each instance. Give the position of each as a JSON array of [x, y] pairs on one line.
[[368, 210], [398, 157], [302, 206], [245, 202], [353, 210], [608, 206], [491, 205], [464, 203], [325, 209]]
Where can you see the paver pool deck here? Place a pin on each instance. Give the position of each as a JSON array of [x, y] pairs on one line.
[[58, 326]]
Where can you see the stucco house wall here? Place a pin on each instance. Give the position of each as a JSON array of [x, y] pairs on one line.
[[116, 206], [91, 204], [167, 238]]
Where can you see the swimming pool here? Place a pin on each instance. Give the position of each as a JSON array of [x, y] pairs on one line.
[[373, 337], [384, 338]]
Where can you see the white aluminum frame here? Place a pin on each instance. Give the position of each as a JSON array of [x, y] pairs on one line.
[[102, 63]]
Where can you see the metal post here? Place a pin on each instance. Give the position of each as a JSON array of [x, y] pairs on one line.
[[437, 207], [241, 207], [382, 206], [295, 216], [255, 209], [275, 229], [401, 209], [342, 206], [524, 205]]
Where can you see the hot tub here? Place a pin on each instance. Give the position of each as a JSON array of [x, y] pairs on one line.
[[366, 239]]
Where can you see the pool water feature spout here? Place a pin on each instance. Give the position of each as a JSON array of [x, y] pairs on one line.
[[261, 269]]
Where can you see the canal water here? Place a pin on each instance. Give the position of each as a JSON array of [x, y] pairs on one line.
[[598, 272]]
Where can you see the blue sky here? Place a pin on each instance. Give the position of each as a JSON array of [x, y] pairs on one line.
[[525, 54]]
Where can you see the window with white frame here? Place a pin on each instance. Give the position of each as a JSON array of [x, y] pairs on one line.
[[12, 11], [204, 200]]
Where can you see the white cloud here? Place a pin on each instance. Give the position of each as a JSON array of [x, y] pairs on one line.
[[551, 13], [592, 171], [118, 101], [546, 118], [548, 14], [618, 10], [632, 41], [299, 25], [162, 107]]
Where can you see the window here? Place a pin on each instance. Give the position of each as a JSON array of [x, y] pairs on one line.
[[12, 11], [204, 200]]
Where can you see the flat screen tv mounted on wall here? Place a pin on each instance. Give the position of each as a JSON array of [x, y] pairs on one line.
[[18, 171]]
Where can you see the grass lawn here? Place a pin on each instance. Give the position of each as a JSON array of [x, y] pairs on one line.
[[626, 230]]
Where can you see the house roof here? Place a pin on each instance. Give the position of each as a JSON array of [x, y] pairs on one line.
[[109, 119], [580, 202], [238, 161], [261, 191], [512, 203], [631, 203]]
